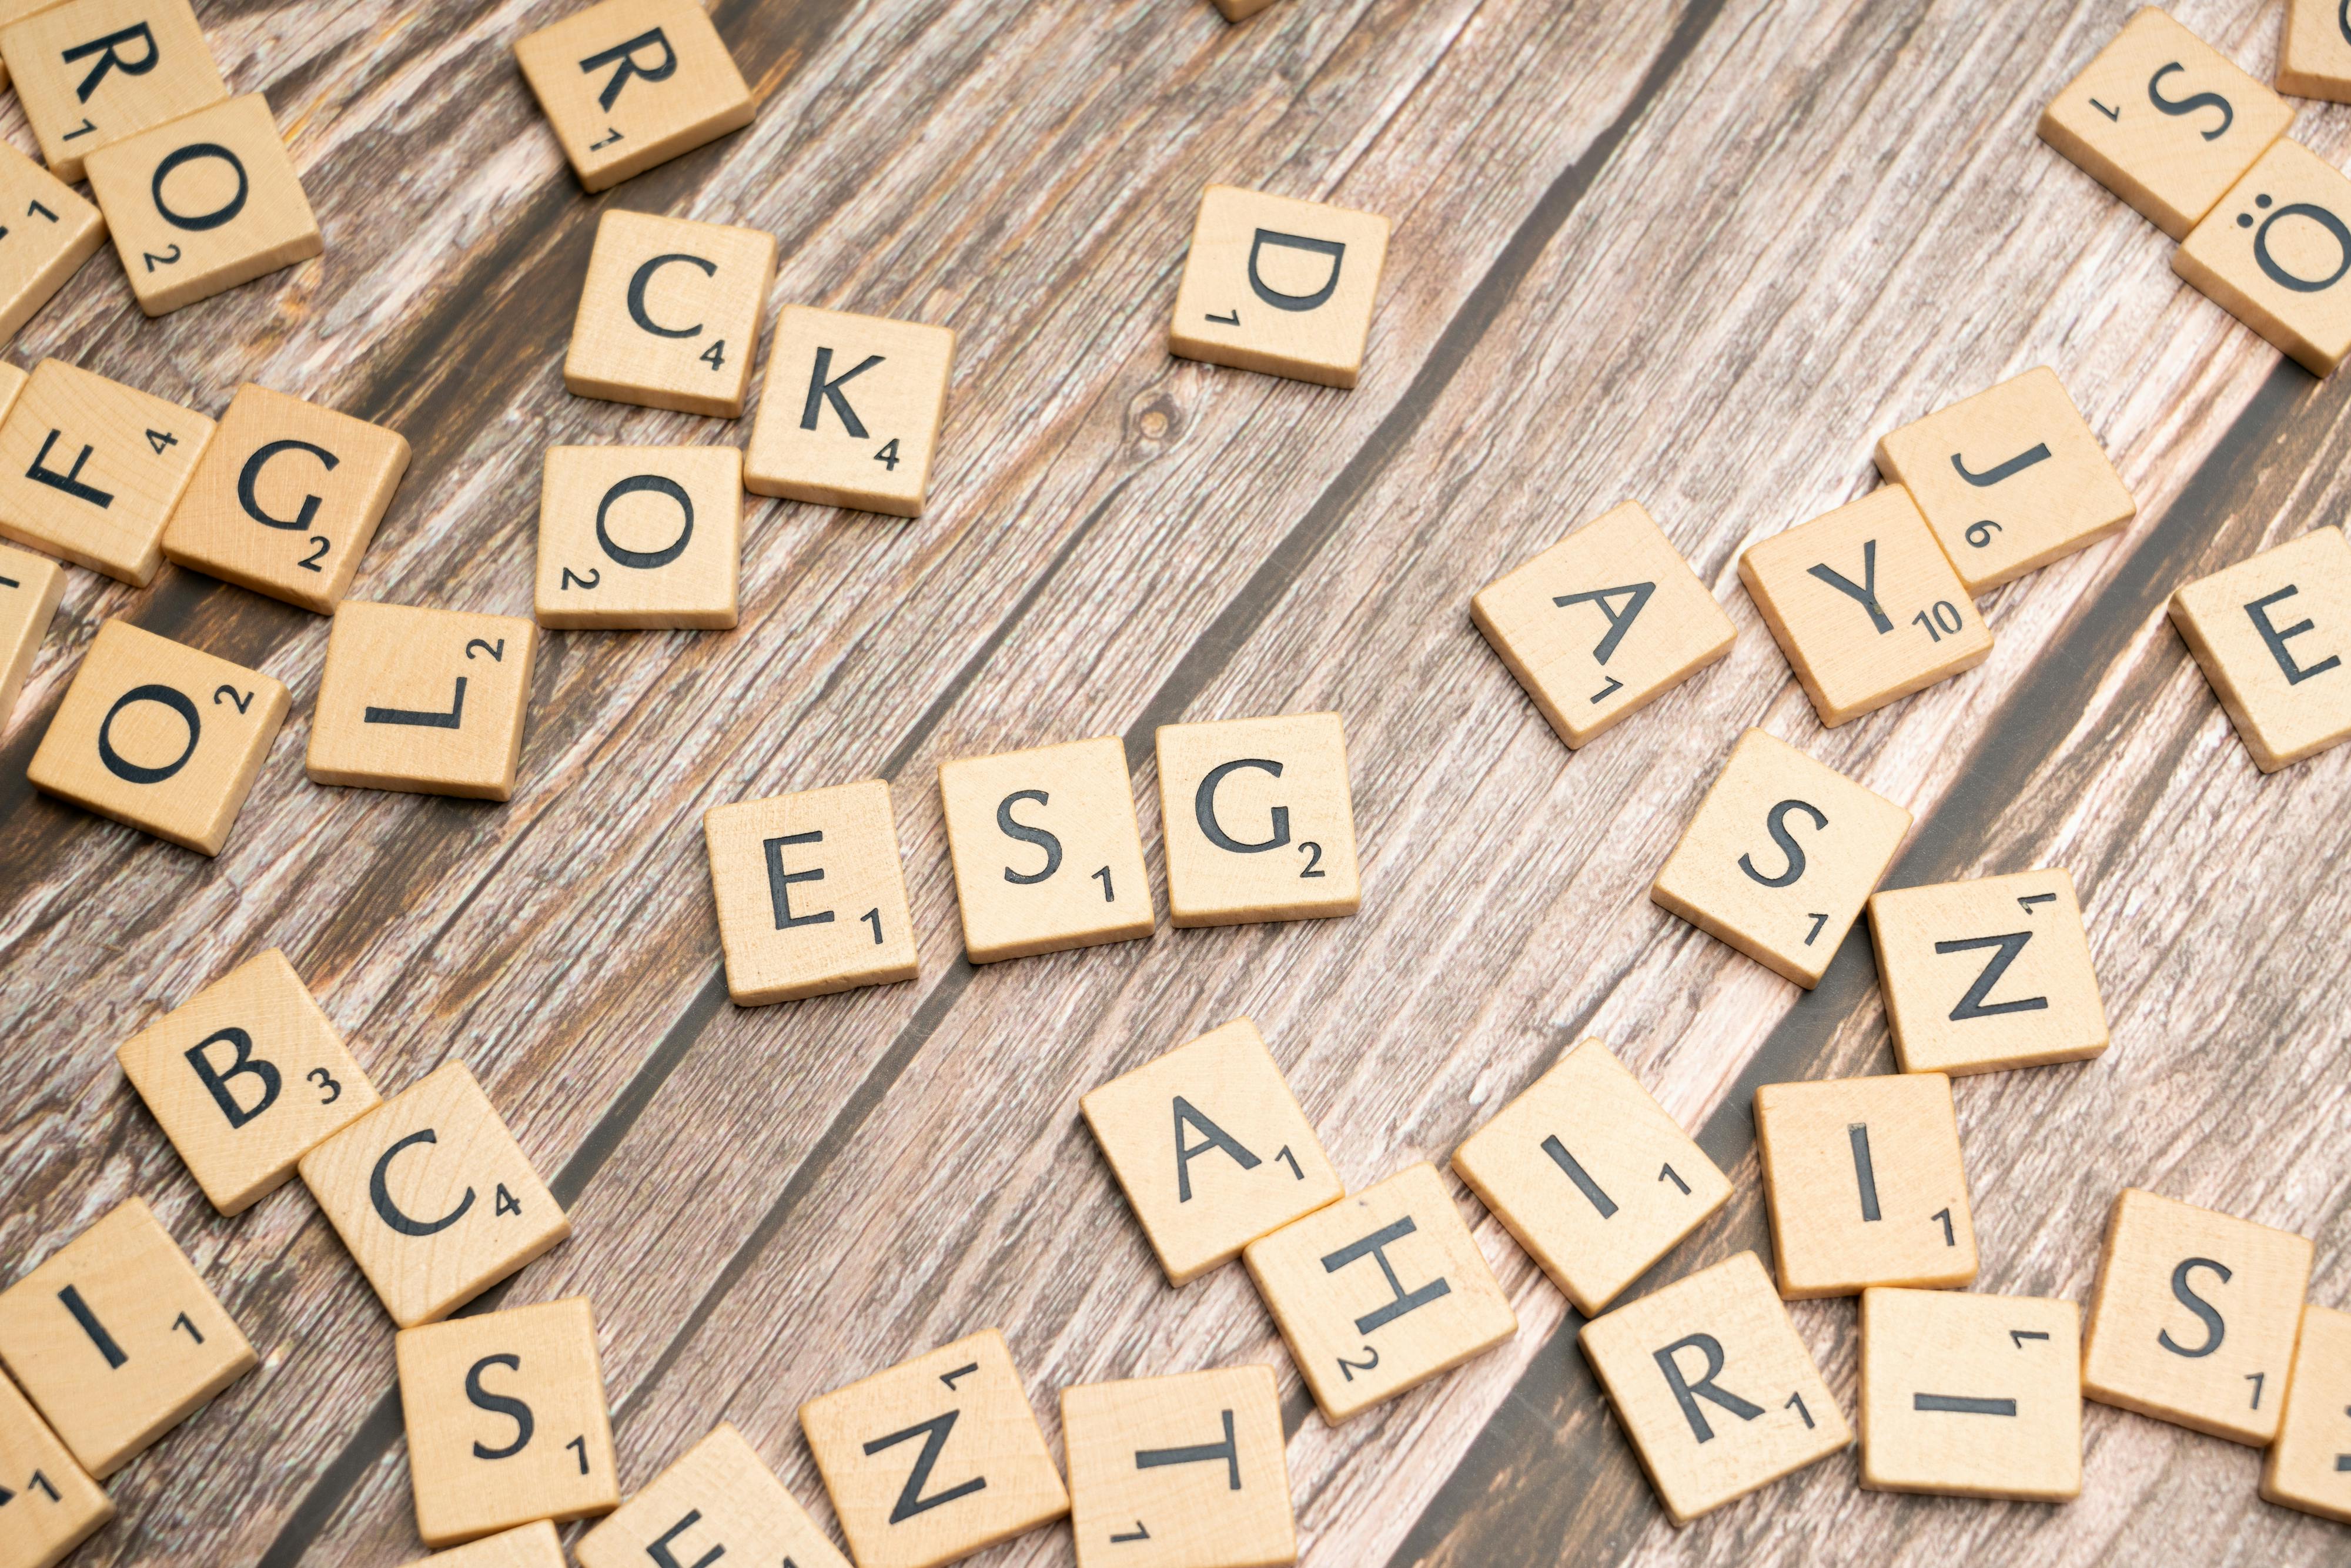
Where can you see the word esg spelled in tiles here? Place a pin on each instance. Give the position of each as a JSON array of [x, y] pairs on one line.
[[52, 231], [851, 412], [1279, 286], [90, 469], [839, 847], [1970, 1396], [1990, 974], [31, 587], [2309, 1465], [428, 701], [1047, 853], [632, 83], [2272, 634], [719, 1501], [1179, 1472], [639, 536], [2276, 254], [669, 314], [48, 1503], [533, 1545], [1865, 1184], [89, 73], [1258, 819]]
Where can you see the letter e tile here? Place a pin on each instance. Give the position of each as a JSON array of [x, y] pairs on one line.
[[812, 894], [2272, 633], [718, 1500]]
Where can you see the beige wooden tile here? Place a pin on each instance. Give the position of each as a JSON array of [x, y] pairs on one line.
[[89, 73], [2164, 122], [1866, 605], [507, 1421], [1781, 856], [429, 701], [2309, 1465], [2009, 480], [2273, 635], [48, 1504], [1380, 1291], [1970, 1396], [669, 313], [1241, 10], [1210, 1148], [160, 736], [936, 1457], [90, 469], [632, 83], [16, 11], [1989, 974], [433, 1197], [1711, 1380], [1047, 854], [31, 587], [1603, 622], [1280, 286], [640, 536], [1186, 1471], [851, 410], [47, 231], [533, 1545], [2314, 51], [1591, 1176], [2194, 1318], [2276, 254], [1260, 819], [719, 1501], [1865, 1184], [12, 379], [812, 894], [117, 1340]]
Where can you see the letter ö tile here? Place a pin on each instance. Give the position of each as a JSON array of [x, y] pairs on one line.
[[812, 894], [2276, 254], [1186, 1471], [1279, 286], [1259, 819], [2273, 633], [632, 83], [851, 410], [719, 1499], [427, 701], [669, 313], [90, 469], [640, 536], [1865, 1184], [1970, 1396], [1047, 854], [89, 73]]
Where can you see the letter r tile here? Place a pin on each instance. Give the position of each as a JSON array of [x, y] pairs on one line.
[[628, 84], [2273, 635], [89, 73]]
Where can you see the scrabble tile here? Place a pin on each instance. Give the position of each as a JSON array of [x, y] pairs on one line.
[[639, 536], [2276, 254], [31, 587], [851, 412], [1866, 605], [1781, 857], [1986, 975], [632, 83], [12, 379], [1211, 1149], [203, 203], [1186, 1471], [1258, 819], [117, 1340], [160, 736], [534, 1545], [424, 700], [246, 1077], [719, 1499], [1605, 620], [1241, 10], [507, 1421], [47, 231], [1279, 286], [1591, 1176], [2163, 122], [90, 469], [1711, 1380], [48, 1504], [669, 314], [2309, 1465], [1047, 854], [2194, 1318], [286, 497], [936, 1457], [1381, 1291], [89, 73], [853, 930], [1865, 1184], [2009, 480], [2314, 52], [2273, 635], [1970, 1396], [433, 1197]]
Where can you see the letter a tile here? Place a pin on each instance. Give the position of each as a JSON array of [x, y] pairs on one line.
[[2309, 1465], [90, 469], [669, 314], [1989, 974], [850, 413], [31, 587], [1970, 1396], [1047, 855], [719, 1499], [58, 232], [1865, 1184], [1260, 819], [89, 73], [1279, 286], [632, 83], [811, 892], [640, 536], [535, 1545], [2315, 54], [2276, 254], [429, 701], [2274, 636], [1186, 1471], [48, 1504]]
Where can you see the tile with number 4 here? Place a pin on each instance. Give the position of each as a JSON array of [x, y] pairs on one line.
[[47, 231], [640, 536], [719, 1501], [533, 1545], [1186, 1471], [1865, 1184], [1970, 1396], [90, 469], [1047, 854], [89, 73], [632, 83], [48, 1504], [1260, 819], [2276, 254], [2309, 1465], [1279, 286], [2274, 636], [812, 894], [429, 701], [1989, 974], [850, 413], [31, 587], [669, 314]]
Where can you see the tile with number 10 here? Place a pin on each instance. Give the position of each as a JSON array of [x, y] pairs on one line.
[[812, 894]]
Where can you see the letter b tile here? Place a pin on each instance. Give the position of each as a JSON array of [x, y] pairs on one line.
[[1260, 819], [2274, 636], [669, 313], [1279, 286]]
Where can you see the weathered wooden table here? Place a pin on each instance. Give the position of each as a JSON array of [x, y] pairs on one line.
[[1699, 254]]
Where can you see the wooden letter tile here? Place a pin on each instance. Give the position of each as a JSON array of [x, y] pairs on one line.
[[1990, 974], [1603, 621], [1241, 10], [1186, 1471], [31, 587], [1258, 819], [1047, 854], [286, 499], [1782, 855], [851, 410], [1712, 1384], [2276, 254], [2010, 479], [2163, 122], [811, 892], [2194, 1318], [1865, 1184], [433, 1197], [49, 232], [1591, 1176], [90, 469], [632, 83], [507, 1421], [719, 1499], [639, 536], [2315, 54], [669, 314], [424, 700], [1211, 1149], [535, 1545], [1279, 286], [117, 1340], [48, 1504], [2309, 1465], [1866, 605], [1970, 1396], [91, 72], [160, 736], [2273, 635], [936, 1457]]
